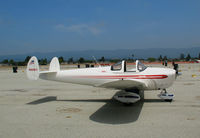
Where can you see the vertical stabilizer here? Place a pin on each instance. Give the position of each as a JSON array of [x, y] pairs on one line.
[[32, 70], [54, 65]]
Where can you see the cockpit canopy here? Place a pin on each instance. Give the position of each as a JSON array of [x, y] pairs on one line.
[[121, 66], [117, 66], [140, 66]]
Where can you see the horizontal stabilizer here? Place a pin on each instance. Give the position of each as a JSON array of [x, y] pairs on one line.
[[48, 75]]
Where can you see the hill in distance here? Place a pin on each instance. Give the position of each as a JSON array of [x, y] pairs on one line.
[[111, 54]]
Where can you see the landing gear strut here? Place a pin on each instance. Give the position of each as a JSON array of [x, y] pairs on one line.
[[166, 96]]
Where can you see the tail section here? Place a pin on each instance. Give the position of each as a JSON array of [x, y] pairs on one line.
[[32, 70], [54, 65]]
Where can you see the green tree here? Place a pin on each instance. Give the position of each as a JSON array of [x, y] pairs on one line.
[[81, 60], [11, 62], [61, 59], [27, 59], [114, 60], [102, 59], [199, 55], [5, 61], [43, 61], [21, 63], [70, 60], [160, 58], [151, 59], [188, 58]]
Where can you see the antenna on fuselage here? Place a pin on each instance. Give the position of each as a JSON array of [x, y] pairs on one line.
[[96, 61]]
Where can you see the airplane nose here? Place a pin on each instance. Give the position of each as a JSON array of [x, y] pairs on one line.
[[171, 74]]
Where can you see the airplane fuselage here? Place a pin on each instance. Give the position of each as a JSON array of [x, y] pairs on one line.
[[153, 78]]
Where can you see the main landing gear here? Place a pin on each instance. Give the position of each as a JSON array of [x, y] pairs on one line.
[[166, 96], [127, 97]]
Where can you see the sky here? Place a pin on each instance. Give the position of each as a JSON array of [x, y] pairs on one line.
[[28, 26]]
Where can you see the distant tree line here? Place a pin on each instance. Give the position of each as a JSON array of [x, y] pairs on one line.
[[23, 63], [81, 60], [181, 58]]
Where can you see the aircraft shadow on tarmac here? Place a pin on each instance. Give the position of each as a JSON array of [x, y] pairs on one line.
[[113, 112]]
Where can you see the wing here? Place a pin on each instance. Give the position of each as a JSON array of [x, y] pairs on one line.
[[125, 85]]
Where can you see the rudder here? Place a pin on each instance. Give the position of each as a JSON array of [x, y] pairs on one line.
[[32, 70], [54, 65]]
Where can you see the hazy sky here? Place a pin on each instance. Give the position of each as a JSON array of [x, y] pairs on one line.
[[65, 25]]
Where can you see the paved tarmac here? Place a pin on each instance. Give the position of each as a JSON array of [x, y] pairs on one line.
[[48, 109]]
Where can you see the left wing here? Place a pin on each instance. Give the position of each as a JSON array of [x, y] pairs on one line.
[[125, 84]]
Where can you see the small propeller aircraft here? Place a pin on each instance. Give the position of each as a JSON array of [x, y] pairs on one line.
[[131, 82]]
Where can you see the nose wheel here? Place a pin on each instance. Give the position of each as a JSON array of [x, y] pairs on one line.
[[166, 96]]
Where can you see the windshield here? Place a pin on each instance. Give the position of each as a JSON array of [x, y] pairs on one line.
[[141, 67], [117, 66]]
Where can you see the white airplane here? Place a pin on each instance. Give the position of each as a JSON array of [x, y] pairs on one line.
[[131, 82]]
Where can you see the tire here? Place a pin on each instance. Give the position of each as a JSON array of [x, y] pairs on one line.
[[168, 100]]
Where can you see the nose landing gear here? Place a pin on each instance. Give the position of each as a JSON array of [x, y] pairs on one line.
[[166, 96]]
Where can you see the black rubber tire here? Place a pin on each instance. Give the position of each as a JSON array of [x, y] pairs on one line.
[[128, 104], [168, 100]]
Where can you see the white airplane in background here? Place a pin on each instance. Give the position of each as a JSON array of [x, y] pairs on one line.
[[132, 82]]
